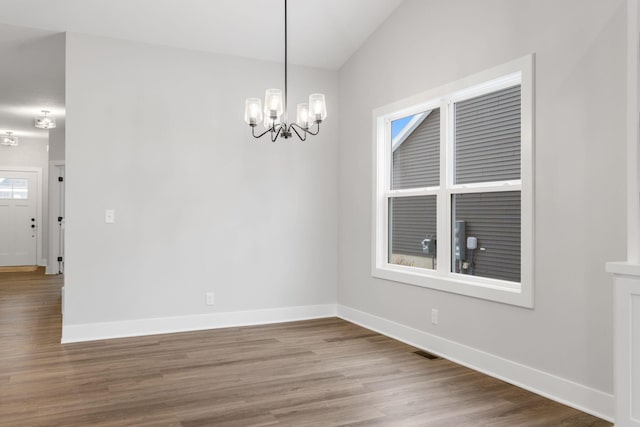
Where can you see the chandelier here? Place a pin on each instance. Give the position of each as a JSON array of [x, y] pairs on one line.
[[44, 121], [9, 140], [308, 115]]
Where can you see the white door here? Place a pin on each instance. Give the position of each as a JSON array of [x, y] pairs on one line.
[[18, 237]]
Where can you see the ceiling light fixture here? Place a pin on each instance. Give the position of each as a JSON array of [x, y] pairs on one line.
[[9, 140], [275, 109], [44, 121]]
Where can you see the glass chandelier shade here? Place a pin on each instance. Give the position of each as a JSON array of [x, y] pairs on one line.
[[45, 121], [270, 123], [317, 107], [273, 103], [302, 116], [253, 111], [9, 139]]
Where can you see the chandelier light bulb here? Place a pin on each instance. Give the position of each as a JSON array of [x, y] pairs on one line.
[[273, 103], [317, 107], [302, 116], [253, 111]]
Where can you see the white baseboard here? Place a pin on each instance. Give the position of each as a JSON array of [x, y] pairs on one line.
[[166, 325], [561, 390], [570, 393]]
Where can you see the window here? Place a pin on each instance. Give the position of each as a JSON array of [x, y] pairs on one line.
[[453, 193], [14, 188]]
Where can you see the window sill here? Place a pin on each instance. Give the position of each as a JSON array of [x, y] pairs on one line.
[[477, 287]]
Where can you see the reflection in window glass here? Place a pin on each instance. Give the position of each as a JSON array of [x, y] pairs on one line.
[[5, 188], [20, 188], [14, 188], [412, 229], [486, 235], [416, 151]]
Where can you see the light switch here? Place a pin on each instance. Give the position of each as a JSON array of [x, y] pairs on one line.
[[109, 216]]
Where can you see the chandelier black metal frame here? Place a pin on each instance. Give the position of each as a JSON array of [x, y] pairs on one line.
[[308, 115]]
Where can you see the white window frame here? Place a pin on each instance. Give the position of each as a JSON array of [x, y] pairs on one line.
[[519, 71]]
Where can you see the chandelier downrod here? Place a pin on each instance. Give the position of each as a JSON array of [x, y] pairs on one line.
[[286, 67]]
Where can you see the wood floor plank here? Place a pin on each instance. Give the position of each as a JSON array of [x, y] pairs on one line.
[[324, 372]]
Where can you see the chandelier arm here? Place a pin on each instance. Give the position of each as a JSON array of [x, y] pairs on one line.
[[317, 130], [253, 132], [294, 126], [274, 135]]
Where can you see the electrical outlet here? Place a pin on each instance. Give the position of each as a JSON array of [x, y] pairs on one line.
[[434, 316], [210, 298]]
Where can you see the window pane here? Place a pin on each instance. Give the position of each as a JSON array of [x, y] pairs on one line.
[[5, 188], [412, 231], [20, 188], [493, 219], [487, 137], [416, 151]]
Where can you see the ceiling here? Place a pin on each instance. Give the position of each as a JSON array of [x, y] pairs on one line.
[[322, 33], [31, 79]]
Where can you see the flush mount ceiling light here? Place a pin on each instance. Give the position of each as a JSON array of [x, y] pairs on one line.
[[9, 139], [44, 121], [275, 109]]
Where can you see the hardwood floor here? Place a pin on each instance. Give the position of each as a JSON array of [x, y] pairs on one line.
[[314, 373]]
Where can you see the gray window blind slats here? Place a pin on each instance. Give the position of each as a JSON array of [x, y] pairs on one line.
[[411, 220], [498, 97], [416, 162], [494, 219], [493, 110], [489, 147], [487, 133], [474, 119]]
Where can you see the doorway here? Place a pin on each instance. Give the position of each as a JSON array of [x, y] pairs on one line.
[[19, 217]]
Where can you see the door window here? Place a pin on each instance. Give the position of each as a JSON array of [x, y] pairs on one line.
[[14, 188]]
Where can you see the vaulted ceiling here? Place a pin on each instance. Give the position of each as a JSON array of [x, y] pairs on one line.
[[321, 33]]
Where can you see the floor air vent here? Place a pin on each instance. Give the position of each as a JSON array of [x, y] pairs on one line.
[[426, 354]]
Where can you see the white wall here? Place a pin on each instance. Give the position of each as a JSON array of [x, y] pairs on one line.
[[32, 153], [29, 152], [157, 134], [580, 176], [56, 143]]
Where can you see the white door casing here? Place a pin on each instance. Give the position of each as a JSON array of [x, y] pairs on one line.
[[56, 211], [19, 219]]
